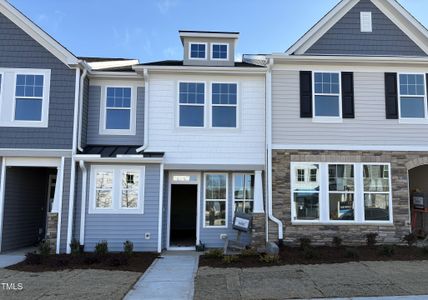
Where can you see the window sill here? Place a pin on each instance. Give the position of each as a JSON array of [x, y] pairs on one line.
[[29, 124], [413, 121], [342, 223], [327, 120], [116, 212], [215, 227], [117, 132]]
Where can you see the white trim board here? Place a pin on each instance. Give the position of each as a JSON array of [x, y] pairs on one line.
[[391, 8], [37, 33], [334, 147]]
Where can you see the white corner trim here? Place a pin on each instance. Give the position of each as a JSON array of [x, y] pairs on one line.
[[343, 147], [83, 200], [37, 33], [160, 217], [60, 192]]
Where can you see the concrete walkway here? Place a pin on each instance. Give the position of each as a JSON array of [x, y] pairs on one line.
[[348, 280], [13, 257], [170, 277]]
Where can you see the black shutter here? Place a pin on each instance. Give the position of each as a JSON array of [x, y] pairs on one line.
[[306, 94], [348, 95], [391, 96]]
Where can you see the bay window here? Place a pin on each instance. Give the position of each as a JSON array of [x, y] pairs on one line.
[[340, 193], [215, 200]]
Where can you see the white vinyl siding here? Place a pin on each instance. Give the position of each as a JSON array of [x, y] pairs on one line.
[[369, 128]]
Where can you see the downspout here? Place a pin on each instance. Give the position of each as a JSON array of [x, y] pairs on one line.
[[82, 85], [83, 201], [146, 112], [73, 162], [269, 154]]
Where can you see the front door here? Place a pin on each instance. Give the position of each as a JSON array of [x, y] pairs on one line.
[[183, 215]]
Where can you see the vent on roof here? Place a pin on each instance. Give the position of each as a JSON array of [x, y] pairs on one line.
[[366, 21]]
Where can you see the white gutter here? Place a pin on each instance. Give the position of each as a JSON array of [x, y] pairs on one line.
[[269, 154], [198, 69], [83, 201], [79, 134], [146, 111], [282, 57], [160, 219], [73, 162]]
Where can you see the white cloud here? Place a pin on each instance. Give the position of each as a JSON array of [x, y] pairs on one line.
[[165, 6]]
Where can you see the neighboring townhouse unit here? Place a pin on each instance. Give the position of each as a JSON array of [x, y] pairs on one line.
[[349, 123], [171, 149], [39, 89]]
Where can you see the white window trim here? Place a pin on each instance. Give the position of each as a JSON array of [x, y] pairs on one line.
[[197, 58], [366, 16], [103, 113], [322, 119], [191, 104], [423, 120], [224, 105], [116, 190], [324, 209], [43, 123], [219, 44], [214, 200], [233, 191]]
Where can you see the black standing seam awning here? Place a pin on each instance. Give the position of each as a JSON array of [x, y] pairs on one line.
[[113, 151]]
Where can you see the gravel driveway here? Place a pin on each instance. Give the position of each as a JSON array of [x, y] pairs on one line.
[[314, 281], [75, 284]]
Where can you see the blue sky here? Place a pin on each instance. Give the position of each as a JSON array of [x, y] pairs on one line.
[[147, 29]]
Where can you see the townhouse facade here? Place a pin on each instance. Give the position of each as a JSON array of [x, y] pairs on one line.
[[326, 139]]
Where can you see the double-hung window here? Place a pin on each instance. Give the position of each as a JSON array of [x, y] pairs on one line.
[[412, 88], [118, 110], [243, 193], [29, 94], [198, 51], [117, 189], [327, 96], [191, 104], [337, 193], [215, 200], [219, 51], [224, 105]]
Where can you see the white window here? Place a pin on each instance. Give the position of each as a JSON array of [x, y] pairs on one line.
[[224, 99], [300, 175], [342, 193], [198, 51], [219, 51], [191, 99], [117, 190], [215, 200], [327, 95], [118, 111], [366, 21], [24, 95], [243, 192], [412, 95]]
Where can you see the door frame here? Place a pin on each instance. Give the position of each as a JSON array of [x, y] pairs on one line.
[[196, 181]]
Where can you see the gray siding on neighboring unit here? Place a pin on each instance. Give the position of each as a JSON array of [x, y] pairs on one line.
[[117, 228], [346, 38], [85, 116], [65, 202], [165, 210], [93, 125], [369, 128], [24, 208], [77, 204], [19, 50]]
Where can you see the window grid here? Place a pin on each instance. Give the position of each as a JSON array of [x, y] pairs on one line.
[[215, 188], [29, 97], [191, 95], [348, 192], [220, 51], [247, 192], [118, 102], [327, 91], [198, 51], [224, 97], [412, 95]]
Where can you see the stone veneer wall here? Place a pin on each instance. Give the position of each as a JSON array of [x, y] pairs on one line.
[[52, 233], [401, 162]]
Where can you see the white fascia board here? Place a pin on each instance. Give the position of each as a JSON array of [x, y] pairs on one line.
[[405, 21], [112, 64], [190, 69], [210, 35], [114, 75], [320, 28], [38, 34], [334, 147], [118, 160]]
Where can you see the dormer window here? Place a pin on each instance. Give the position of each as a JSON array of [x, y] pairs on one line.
[[198, 51], [219, 51]]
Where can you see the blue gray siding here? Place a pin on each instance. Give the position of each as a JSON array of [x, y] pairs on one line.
[[65, 202], [346, 38], [93, 124], [23, 214], [19, 50], [117, 228], [85, 116], [165, 210]]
